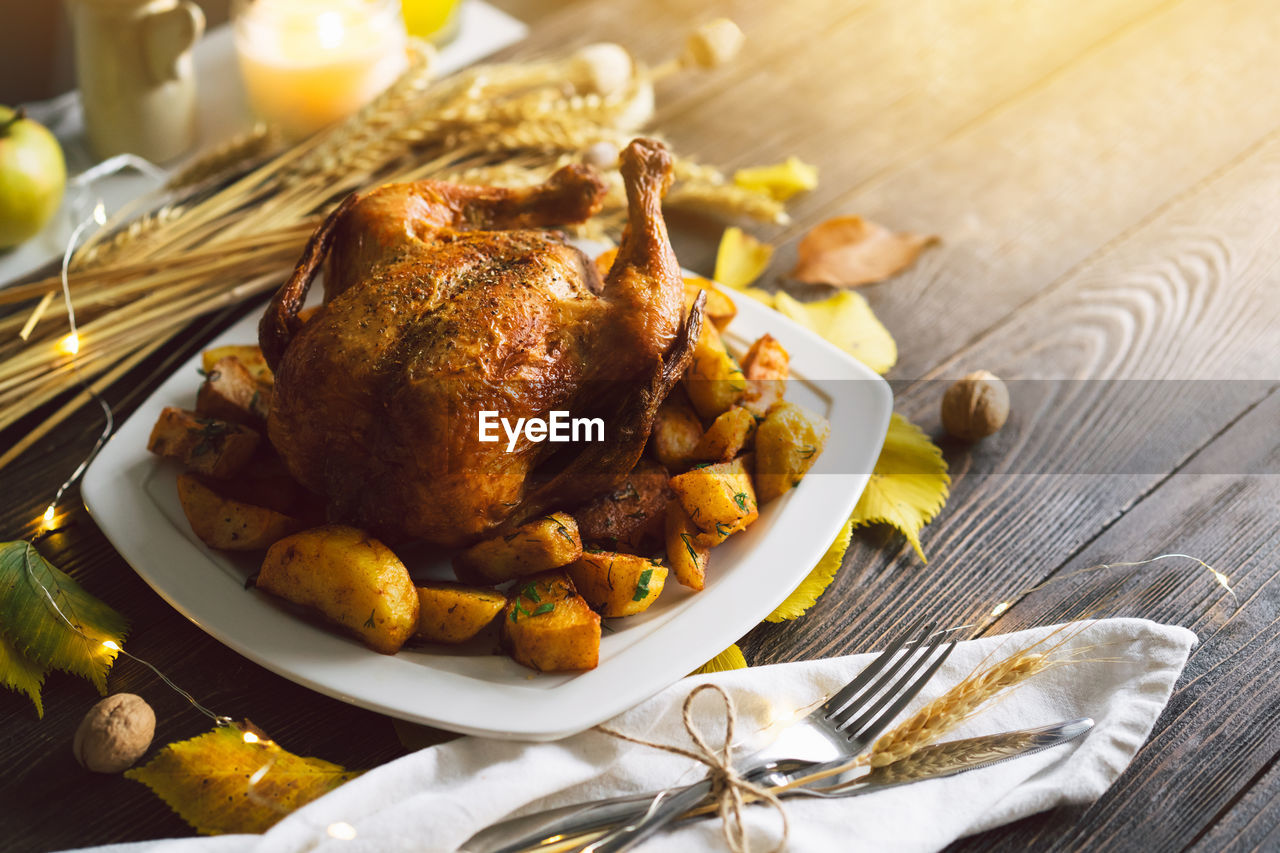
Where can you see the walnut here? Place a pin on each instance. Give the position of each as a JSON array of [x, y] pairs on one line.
[[114, 734], [975, 406]]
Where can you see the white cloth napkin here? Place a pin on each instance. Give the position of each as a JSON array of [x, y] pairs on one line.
[[436, 798]]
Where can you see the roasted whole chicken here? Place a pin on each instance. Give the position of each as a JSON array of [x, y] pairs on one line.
[[443, 301]]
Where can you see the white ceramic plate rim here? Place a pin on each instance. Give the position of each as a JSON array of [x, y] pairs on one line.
[[750, 575]]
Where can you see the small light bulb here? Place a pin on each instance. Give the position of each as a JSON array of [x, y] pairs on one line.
[[47, 518], [342, 831], [110, 644], [70, 344], [1001, 608], [250, 737], [100, 213]]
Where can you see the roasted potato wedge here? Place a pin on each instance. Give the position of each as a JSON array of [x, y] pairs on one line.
[[453, 613], [249, 355], [766, 365], [205, 445], [688, 559], [544, 543], [352, 579], [230, 393], [547, 626], [629, 518], [714, 380], [719, 309], [726, 437], [676, 431], [617, 584], [720, 499], [228, 524], [788, 441]]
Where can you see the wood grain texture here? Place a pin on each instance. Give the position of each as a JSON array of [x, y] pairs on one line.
[[1221, 728], [1253, 821], [1105, 178]]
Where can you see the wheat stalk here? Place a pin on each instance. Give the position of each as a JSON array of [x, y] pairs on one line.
[[942, 715], [230, 155]]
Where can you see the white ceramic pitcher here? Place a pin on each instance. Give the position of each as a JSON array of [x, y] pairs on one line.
[[136, 77]]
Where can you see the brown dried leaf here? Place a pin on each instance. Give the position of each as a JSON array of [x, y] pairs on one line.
[[849, 251]]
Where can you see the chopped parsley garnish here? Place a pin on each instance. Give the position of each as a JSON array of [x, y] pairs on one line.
[[723, 529], [741, 500], [531, 592], [544, 607], [642, 585], [806, 451], [369, 623], [211, 434]]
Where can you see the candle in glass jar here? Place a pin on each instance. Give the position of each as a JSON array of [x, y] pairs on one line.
[[309, 63]]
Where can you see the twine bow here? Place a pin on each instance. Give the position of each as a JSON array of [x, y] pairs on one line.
[[728, 789]]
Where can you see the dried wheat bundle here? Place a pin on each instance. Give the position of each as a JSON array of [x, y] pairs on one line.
[[232, 224]]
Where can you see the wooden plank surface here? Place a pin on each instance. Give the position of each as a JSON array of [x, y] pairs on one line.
[[1221, 728], [1106, 180]]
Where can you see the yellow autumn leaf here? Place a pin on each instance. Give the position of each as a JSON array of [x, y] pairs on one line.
[[18, 672], [815, 584], [219, 783], [730, 658], [909, 484], [847, 321], [781, 181], [740, 258], [39, 605], [758, 295]]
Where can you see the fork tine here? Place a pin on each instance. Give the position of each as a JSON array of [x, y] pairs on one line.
[[886, 689], [837, 702], [865, 734], [869, 696]]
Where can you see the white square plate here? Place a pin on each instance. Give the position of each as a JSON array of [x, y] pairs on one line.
[[133, 497]]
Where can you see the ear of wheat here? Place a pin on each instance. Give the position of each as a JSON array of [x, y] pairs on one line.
[[939, 717]]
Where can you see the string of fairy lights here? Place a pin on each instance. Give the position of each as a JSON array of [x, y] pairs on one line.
[[85, 217]]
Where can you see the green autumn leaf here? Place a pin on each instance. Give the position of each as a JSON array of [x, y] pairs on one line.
[[816, 582], [30, 588], [17, 672], [730, 658], [219, 783], [909, 484]]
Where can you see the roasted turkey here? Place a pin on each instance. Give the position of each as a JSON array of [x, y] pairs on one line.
[[443, 301]]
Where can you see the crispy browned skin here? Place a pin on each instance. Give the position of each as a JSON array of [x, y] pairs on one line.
[[441, 303]]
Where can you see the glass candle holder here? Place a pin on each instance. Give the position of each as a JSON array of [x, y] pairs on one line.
[[309, 63]]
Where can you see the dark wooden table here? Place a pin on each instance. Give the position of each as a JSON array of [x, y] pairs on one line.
[[1105, 175]]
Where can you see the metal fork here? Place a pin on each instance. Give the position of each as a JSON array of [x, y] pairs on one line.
[[831, 735]]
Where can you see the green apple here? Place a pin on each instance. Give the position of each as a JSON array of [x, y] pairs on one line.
[[33, 176]]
